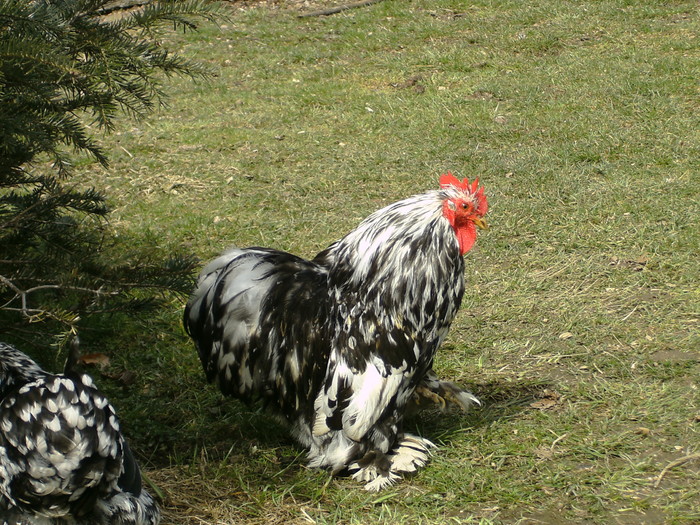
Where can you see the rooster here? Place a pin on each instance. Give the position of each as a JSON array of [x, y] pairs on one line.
[[63, 459], [339, 345]]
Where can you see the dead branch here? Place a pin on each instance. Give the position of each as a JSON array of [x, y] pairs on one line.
[[121, 5], [338, 9], [33, 314]]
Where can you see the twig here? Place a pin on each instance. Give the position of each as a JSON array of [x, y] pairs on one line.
[[678, 462], [34, 314], [338, 9], [121, 6], [629, 314], [557, 440]]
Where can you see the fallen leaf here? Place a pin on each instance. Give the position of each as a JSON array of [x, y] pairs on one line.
[[97, 359], [543, 404], [566, 335], [550, 399], [636, 265]]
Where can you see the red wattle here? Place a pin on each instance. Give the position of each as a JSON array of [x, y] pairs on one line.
[[466, 236]]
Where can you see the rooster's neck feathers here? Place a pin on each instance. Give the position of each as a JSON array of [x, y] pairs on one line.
[[397, 241], [400, 271]]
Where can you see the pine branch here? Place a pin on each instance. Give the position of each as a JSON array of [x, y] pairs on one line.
[[64, 63]]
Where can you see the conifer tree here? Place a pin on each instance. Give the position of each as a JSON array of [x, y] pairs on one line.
[[68, 67]]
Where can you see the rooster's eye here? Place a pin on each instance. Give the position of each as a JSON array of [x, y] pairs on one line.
[[464, 206]]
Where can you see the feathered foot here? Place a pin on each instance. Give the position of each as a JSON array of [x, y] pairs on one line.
[[442, 393], [379, 471]]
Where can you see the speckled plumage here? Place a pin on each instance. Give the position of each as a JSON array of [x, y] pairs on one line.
[[338, 345], [63, 459]]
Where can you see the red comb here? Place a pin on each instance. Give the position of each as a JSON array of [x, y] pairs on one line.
[[447, 179]]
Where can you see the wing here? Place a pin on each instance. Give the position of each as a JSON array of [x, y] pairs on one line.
[[60, 446], [372, 372], [258, 318]]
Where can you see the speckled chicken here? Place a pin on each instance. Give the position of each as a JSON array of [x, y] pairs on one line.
[[339, 344], [63, 459]]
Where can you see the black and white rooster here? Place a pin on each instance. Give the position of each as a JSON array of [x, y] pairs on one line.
[[340, 344], [63, 459]]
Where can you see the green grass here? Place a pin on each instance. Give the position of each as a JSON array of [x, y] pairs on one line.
[[580, 118]]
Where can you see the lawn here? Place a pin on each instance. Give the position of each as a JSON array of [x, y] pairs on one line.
[[580, 326]]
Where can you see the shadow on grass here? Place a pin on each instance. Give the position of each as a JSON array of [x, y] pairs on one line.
[[247, 459], [180, 425], [501, 399], [252, 426], [209, 452]]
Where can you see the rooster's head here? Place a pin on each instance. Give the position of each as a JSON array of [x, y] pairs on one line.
[[464, 207]]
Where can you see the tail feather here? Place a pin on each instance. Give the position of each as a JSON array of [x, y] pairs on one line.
[[258, 321]]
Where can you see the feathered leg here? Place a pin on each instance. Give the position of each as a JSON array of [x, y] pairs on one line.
[[378, 470]]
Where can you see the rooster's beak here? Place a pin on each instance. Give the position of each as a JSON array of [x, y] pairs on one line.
[[481, 223]]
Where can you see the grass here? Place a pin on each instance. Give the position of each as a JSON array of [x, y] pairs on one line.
[[579, 329]]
